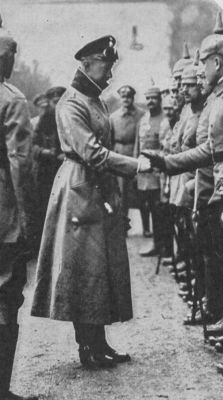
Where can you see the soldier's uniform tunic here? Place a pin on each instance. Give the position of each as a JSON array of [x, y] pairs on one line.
[[15, 212], [123, 130], [148, 137]]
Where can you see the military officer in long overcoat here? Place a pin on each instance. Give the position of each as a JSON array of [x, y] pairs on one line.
[[83, 269], [15, 167]]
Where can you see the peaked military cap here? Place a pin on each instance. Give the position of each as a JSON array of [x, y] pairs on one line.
[[7, 43], [182, 62], [213, 44], [103, 47], [56, 91], [126, 91], [40, 99], [153, 90]]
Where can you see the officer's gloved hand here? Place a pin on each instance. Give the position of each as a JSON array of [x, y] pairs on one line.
[[156, 160], [48, 153], [61, 157], [144, 165]]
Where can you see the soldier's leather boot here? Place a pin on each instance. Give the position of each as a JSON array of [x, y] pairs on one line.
[[8, 341]]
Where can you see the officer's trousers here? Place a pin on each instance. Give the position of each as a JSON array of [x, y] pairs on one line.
[[91, 335]]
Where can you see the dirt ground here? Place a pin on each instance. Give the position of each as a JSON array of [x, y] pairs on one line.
[[169, 361]]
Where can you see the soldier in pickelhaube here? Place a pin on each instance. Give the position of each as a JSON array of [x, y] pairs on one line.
[[123, 130], [149, 184], [177, 75], [83, 269], [211, 54], [15, 167]]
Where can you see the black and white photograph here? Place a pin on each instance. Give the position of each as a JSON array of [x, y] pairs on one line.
[[111, 199]]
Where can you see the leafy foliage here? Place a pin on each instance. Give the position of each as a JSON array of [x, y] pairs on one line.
[[30, 80]]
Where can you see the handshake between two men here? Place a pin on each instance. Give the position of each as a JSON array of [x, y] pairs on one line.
[[148, 160]]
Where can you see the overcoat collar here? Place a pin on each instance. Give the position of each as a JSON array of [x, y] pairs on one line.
[[84, 84]]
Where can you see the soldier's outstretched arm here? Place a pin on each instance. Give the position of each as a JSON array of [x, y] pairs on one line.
[[182, 162], [189, 160]]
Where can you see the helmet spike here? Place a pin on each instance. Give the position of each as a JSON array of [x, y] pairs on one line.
[[152, 82], [186, 54], [219, 24], [196, 57]]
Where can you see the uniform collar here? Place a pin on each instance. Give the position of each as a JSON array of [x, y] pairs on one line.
[[218, 90], [84, 84]]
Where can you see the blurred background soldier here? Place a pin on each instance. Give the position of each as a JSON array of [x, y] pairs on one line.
[[15, 167], [41, 103], [149, 183], [124, 124], [53, 95], [47, 154]]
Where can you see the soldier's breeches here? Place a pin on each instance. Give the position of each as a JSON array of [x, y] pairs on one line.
[[12, 281]]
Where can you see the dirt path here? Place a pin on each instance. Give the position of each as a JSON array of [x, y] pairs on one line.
[[169, 361]]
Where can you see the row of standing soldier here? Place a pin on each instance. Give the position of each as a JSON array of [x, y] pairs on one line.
[[195, 169]]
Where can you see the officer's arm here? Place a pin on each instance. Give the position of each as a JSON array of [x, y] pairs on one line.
[[18, 138], [189, 160], [74, 119]]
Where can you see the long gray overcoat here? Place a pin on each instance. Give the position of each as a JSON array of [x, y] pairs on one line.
[[83, 269]]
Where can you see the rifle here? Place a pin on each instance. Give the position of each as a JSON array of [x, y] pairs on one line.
[[198, 286]]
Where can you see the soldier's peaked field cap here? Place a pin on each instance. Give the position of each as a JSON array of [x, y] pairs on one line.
[[7, 43], [126, 90], [104, 46], [40, 99], [55, 92], [213, 44], [153, 90]]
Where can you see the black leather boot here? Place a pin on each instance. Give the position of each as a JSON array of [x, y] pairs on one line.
[[91, 359]]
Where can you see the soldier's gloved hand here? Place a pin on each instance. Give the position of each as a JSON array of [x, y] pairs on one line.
[[144, 165], [156, 160]]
